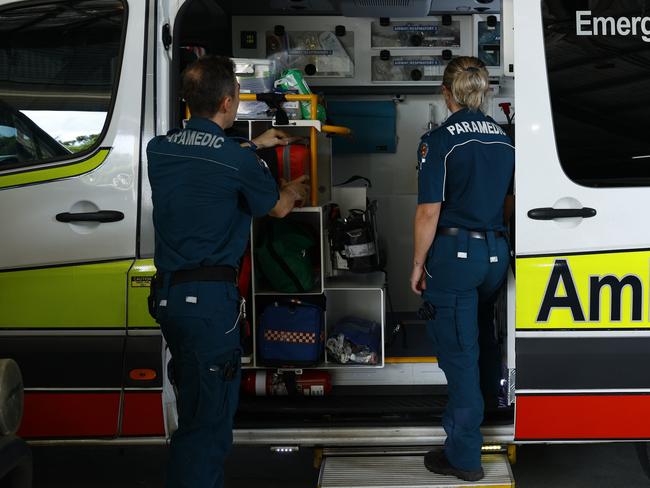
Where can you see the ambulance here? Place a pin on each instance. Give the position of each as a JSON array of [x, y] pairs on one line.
[[85, 84]]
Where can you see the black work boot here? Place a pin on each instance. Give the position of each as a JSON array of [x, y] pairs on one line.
[[436, 462]]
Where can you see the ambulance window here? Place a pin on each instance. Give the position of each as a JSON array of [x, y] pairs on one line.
[[598, 64], [59, 63]]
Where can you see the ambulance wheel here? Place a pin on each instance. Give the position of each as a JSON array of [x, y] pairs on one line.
[[642, 450], [11, 397]]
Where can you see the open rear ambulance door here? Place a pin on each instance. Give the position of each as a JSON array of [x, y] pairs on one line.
[[583, 239]]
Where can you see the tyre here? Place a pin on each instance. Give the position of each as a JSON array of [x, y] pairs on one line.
[[11, 397]]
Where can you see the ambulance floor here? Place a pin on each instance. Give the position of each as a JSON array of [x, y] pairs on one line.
[[538, 466]]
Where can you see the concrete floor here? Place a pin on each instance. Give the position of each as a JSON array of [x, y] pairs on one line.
[[538, 466]]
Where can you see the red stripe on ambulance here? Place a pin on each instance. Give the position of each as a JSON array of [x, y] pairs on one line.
[[64, 415], [143, 414], [567, 417]]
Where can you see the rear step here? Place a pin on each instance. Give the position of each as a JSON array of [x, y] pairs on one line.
[[405, 472]]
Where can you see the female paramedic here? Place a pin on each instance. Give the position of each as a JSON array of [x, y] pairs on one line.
[[461, 255]]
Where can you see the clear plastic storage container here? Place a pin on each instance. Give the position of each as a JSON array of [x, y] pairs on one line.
[[254, 76]]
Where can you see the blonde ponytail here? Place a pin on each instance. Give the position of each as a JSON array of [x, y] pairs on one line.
[[468, 81]]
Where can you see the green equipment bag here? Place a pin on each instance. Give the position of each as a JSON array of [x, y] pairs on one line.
[[284, 256]]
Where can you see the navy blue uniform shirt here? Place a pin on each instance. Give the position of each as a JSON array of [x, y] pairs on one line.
[[467, 164], [205, 189]]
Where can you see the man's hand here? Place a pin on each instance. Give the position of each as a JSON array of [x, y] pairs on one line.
[[418, 279], [298, 188], [273, 137], [291, 194]]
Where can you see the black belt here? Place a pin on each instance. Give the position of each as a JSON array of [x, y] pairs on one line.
[[474, 234], [204, 273]]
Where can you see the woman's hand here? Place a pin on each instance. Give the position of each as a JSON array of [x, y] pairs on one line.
[[418, 279]]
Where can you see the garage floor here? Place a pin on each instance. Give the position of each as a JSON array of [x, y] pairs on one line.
[[574, 466]]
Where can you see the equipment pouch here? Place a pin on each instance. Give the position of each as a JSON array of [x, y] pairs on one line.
[[427, 311]]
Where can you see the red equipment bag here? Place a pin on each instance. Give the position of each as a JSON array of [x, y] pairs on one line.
[[245, 272], [293, 161]]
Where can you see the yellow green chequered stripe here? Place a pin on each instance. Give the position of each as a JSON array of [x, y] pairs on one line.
[[139, 280], [68, 170], [79, 296], [604, 291]]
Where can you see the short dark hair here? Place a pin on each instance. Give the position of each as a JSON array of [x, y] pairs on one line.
[[206, 82]]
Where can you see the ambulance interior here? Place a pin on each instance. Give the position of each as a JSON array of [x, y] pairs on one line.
[[377, 67]]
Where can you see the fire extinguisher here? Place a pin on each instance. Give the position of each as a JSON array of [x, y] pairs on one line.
[[271, 383]]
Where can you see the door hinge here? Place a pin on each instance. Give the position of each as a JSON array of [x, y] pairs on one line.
[[166, 36], [512, 379]]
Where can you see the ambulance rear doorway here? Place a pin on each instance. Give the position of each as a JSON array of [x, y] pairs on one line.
[[382, 73]]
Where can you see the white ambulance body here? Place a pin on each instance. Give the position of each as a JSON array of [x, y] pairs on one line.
[[77, 239]]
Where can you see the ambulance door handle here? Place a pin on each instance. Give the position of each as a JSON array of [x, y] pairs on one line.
[[550, 213], [99, 216]]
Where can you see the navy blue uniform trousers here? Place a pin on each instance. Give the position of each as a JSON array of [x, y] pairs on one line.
[[200, 325], [458, 288]]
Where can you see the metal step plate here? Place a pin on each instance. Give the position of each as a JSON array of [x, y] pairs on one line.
[[405, 472]]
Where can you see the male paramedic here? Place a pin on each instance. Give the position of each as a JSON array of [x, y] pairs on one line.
[[206, 187], [461, 254]]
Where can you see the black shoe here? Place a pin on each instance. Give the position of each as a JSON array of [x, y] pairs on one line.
[[436, 462]]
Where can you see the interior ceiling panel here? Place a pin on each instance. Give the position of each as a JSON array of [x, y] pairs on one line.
[[466, 6], [333, 7], [385, 8], [285, 7]]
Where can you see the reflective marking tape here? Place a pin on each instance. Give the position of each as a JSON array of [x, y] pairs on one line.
[[407, 360], [30, 176], [599, 291], [581, 417], [290, 337], [191, 299]]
